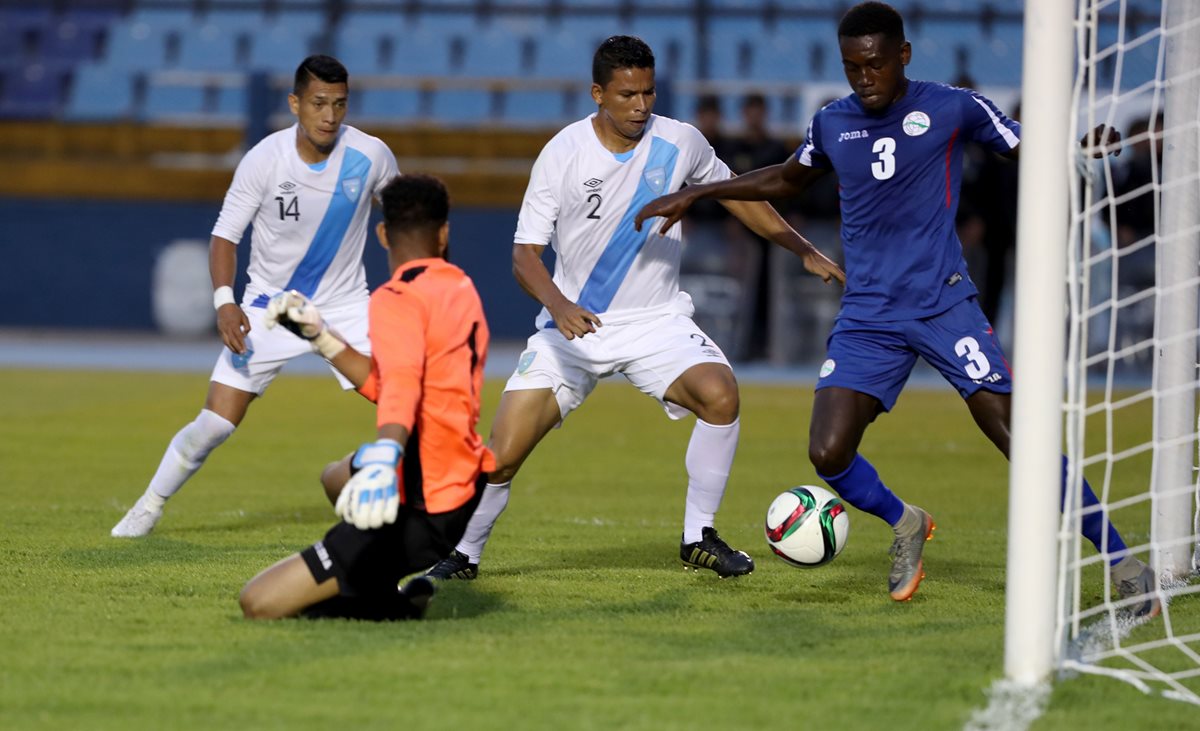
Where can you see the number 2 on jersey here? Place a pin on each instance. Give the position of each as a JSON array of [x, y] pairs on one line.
[[597, 200], [291, 209], [885, 167]]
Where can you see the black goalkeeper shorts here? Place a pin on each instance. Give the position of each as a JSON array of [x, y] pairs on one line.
[[371, 562]]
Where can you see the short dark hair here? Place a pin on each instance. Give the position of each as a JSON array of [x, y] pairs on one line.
[[620, 52], [754, 99], [870, 18], [414, 202], [708, 103], [323, 68]]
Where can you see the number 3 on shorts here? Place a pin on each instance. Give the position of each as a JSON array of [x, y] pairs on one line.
[[977, 363]]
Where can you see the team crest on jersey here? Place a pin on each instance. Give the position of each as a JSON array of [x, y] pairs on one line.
[[827, 367], [352, 187], [915, 124], [656, 179], [525, 361]]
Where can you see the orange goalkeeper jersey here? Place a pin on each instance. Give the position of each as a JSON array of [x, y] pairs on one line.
[[429, 342]]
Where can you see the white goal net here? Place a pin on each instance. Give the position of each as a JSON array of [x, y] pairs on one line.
[[1133, 287]]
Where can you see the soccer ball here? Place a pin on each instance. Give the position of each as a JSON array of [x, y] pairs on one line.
[[807, 526]]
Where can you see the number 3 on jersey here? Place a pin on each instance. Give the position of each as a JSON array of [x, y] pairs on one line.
[[885, 166], [977, 363]]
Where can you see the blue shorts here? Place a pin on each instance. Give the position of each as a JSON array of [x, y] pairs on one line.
[[876, 358]]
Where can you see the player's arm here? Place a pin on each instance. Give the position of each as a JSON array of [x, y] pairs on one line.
[[533, 276], [775, 182], [232, 322], [762, 218]]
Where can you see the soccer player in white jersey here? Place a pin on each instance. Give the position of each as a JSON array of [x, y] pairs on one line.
[[307, 189], [613, 304]]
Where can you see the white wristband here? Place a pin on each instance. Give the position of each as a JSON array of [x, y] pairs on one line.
[[222, 296]]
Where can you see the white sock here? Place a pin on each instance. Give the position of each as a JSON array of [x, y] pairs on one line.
[[709, 459], [479, 527], [187, 452]]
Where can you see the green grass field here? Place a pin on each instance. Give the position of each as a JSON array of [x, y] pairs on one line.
[[582, 617]]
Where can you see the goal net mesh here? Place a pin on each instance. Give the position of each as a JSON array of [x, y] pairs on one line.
[[1133, 284]]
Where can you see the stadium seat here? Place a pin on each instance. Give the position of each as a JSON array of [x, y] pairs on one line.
[[673, 41], [387, 105], [231, 102], [496, 52], [462, 106], [172, 101], [78, 36], [536, 108], [209, 48], [99, 92], [799, 50], [731, 47], [279, 48], [34, 91]]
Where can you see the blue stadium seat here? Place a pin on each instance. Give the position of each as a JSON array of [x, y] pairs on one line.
[[208, 48], [170, 101], [77, 37], [99, 92], [35, 91], [140, 44], [421, 54], [496, 52], [536, 108], [566, 51], [462, 106], [389, 105], [231, 102], [363, 39], [800, 50], [279, 48], [732, 46], [673, 41]]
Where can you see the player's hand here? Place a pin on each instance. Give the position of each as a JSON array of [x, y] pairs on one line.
[[233, 325], [824, 267], [572, 320], [371, 498], [296, 313], [670, 207], [1103, 140]]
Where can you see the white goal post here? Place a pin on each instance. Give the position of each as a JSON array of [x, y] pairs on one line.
[[1104, 365]]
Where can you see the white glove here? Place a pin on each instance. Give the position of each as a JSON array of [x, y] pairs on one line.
[[372, 498], [299, 315]]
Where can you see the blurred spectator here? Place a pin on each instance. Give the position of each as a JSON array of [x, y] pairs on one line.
[[757, 148], [1135, 217], [987, 219], [708, 120]]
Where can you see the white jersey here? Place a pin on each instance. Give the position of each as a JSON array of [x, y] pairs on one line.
[[309, 224], [582, 198]]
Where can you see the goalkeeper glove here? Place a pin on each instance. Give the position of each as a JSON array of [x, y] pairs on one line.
[[372, 497], [296, 313]]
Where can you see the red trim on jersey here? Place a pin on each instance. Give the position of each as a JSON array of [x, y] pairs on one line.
[[949, 148]]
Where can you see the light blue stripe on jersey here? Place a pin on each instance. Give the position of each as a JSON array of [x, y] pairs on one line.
[[614, 262], [328, 239]]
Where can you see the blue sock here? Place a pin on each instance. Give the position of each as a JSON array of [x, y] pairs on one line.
[[1095, 524], [860, 486]]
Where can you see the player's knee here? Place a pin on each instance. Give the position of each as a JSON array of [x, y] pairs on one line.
[[718, 401], [334, 477], [254, 602], [828, 458]]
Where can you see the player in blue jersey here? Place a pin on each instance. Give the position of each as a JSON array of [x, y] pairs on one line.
[[307, 190], [896, 146], [613, 304]]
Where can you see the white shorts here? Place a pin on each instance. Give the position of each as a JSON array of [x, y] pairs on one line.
[[270, 350], [650, 353]]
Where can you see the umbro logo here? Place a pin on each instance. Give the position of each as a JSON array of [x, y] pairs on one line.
[[287, 187], [592, 182]]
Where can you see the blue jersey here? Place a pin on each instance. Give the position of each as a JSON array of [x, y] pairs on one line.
[[899, 174]]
